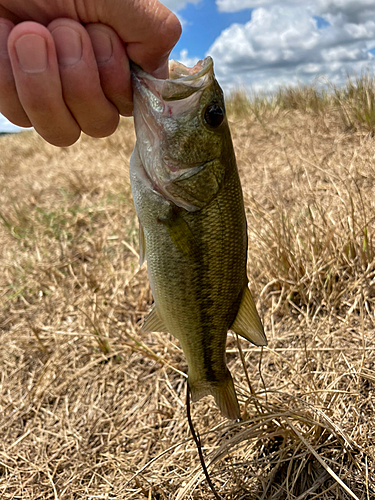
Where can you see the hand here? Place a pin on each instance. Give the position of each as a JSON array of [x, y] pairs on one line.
[[64, 65]]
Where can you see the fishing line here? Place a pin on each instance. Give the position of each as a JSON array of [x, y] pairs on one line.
[[198, 443], [259, 408]]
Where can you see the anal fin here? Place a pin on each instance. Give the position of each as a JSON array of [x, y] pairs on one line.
[[247, 322], [153, 322]]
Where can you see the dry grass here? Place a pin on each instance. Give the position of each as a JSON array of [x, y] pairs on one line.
[[92, 408]]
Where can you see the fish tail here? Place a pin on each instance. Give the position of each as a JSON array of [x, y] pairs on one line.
[[222, 391]]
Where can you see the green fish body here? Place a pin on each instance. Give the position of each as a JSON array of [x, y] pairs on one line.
[[188, 199]]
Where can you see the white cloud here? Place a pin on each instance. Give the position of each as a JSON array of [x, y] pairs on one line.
[[282, 44], [177, 5], [185, 59], [237, 5], [345, 11], [351, 10]]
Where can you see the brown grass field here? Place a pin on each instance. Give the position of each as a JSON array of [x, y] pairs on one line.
[[92, 408]]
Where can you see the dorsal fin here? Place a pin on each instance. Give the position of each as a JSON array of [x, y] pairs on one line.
[[247, 322], [153, 322]]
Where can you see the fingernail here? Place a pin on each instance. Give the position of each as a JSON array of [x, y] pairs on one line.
[[31, 53], [102, 45], [68, 45]]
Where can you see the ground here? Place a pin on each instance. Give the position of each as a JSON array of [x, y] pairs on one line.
[[93, 408]]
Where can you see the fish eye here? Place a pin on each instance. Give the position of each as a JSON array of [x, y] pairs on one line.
[[214, 115]]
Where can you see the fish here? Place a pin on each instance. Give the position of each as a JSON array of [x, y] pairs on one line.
[[192, 223]]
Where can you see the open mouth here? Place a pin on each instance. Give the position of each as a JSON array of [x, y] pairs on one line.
[[182, 81]]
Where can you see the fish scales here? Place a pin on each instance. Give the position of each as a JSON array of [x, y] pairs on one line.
[[194, 231]]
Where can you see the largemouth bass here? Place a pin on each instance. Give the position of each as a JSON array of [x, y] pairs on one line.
[[189, 202]]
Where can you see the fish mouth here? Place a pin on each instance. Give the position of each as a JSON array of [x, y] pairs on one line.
[[173, 96], [182, 81]]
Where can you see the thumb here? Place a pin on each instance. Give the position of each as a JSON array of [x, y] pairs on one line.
[[148, 29]]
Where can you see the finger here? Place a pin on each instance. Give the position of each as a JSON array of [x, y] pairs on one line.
[[10, 105], [79, 74], [34, 63], [149, 29], [113, 66]]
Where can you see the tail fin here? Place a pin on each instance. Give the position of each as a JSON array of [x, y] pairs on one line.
[[222, 391]]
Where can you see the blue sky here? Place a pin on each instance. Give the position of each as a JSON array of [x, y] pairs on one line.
[[202, 24], [261, 44]]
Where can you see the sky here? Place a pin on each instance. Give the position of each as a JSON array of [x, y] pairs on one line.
[[261, 44]]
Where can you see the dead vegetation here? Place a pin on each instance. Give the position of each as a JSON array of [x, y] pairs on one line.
[[92, 408]]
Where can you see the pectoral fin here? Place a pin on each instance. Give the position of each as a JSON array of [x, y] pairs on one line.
[[153, 322], [247, 322], [181, 234], [142, 244]]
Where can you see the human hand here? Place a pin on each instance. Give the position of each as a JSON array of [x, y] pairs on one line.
[[64, 66]]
